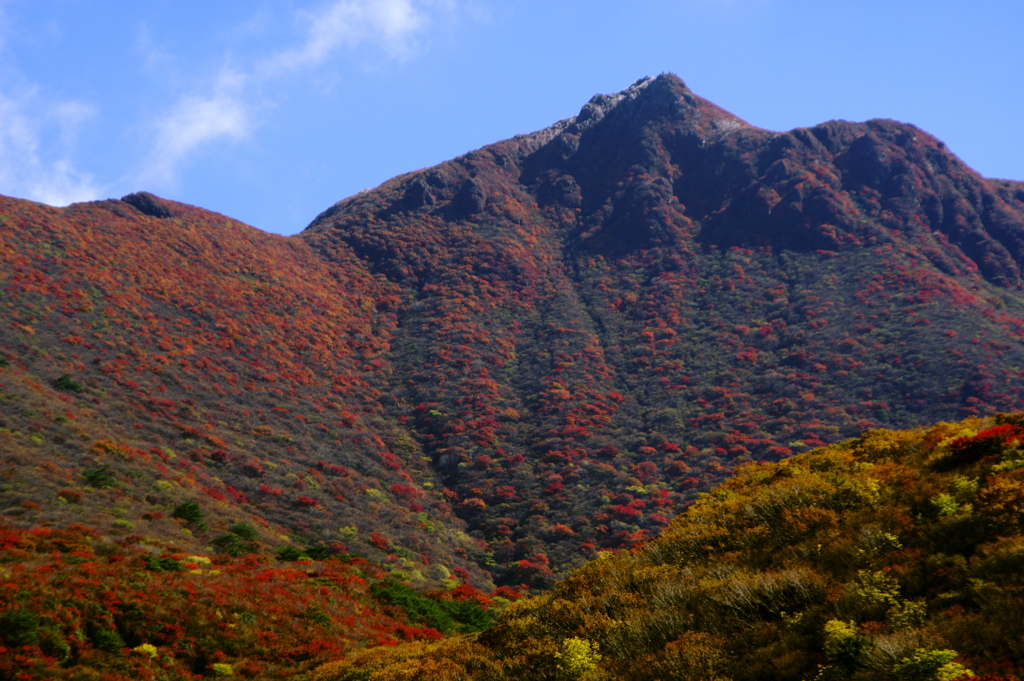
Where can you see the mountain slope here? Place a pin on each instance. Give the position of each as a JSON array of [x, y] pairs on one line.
[[158, 356], [511, 360], [599, 319], [895, 555]]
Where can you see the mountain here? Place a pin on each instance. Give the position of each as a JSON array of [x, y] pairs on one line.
[[488, 371], [895, 555], [561, 338], [601, 318]]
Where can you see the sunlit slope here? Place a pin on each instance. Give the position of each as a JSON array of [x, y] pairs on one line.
[[165, 354], [896, 555]]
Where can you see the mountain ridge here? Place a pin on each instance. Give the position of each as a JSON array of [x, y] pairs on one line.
[[485, 372], [562, 337]]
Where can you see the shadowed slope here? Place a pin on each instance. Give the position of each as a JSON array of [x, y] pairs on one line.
[[600, 318]]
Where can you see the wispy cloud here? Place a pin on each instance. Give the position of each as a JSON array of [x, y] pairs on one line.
[[195, 121], [226, 110], [36, 144], [390, 24], [38, 134]]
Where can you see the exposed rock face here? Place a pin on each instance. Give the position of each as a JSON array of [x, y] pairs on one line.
[[148, 204]]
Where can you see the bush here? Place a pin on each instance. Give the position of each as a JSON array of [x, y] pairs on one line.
[[443, 615], [244, 530], [67, 384], [318, 552], [107, 640], [102, 476], [162, 564], [233, 545], [71, 496], [190, 512], [20, 628], [291, 553]]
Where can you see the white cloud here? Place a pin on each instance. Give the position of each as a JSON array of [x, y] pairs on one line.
[[225, 111], [29, 166], [195, 121], [393, 25]]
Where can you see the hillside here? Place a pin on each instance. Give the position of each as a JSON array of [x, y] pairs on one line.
[[895, 555], [174, 355], [510, 361], [601, 319]]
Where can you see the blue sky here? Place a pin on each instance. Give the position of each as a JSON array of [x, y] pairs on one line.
[[271, 110]]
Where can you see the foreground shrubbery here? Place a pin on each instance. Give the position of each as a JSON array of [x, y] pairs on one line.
[[897, 555], [77, 605]]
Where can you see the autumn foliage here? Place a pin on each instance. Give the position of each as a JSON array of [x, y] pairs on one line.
[[882, 557], [495, 370]]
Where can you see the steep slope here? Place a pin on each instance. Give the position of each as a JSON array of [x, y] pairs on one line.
[[154, 354], [895, 555], [509, 361], [598, 320]]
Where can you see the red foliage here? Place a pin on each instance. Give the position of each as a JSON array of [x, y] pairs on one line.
[[987, 443]]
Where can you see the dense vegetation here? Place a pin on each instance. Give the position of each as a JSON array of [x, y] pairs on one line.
[[75, 604], [149, 362], [895, 555], [599, 320], [490, 372]]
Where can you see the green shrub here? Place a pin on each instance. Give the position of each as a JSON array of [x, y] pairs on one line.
[[291, 553], [67, 384], [443, 615], [232, 545], [930, 665], [102, 476], [190, 512], [244, 530], [107, 640], [316, 614], [20, 628], [318, 552], [162, 564]]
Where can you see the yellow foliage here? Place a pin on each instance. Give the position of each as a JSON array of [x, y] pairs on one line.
[[453, 659], [578, 657], [145, 649]]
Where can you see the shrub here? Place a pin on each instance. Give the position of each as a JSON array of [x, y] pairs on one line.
[[318, 552], [107, 640], [20, 628], [190, 512], [578, 657], [441, 614], [291, 553], [71, 496], [244, 530], [165, 564], [67, 384], [927, 665], [306, 502], [102, 476], [231, 544]]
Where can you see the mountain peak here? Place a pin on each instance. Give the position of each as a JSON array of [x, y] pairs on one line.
[[649, 99], [599, 105]]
